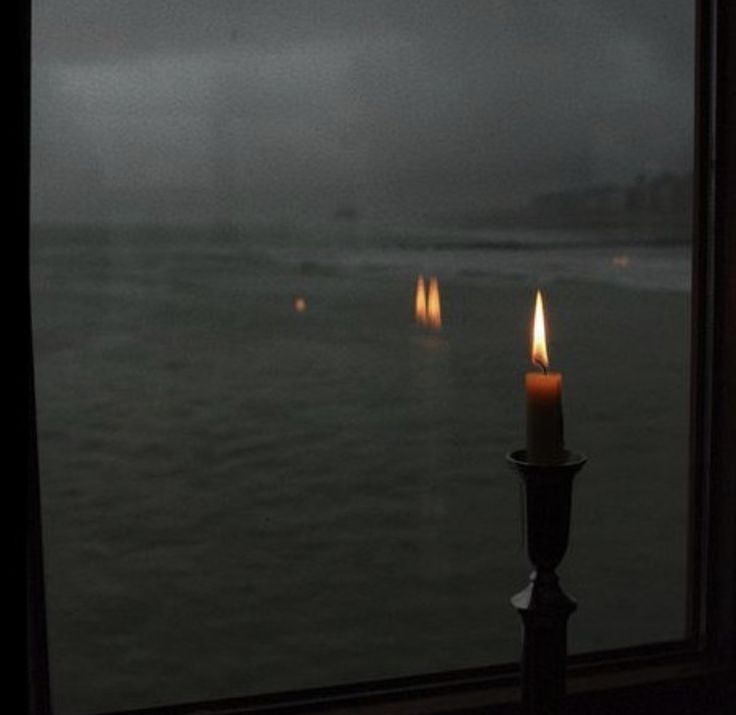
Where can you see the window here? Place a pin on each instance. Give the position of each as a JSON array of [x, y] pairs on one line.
[[147, 330]]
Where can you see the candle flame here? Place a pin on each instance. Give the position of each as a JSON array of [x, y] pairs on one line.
[[420, 302], [300, 304], [539, 342], [434, 312]]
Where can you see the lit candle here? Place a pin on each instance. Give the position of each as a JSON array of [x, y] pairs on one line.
[[544, 434]]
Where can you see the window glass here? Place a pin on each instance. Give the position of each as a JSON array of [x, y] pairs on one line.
[[262, 469]]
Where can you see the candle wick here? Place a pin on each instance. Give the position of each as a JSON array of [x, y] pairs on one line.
[[541, 365]]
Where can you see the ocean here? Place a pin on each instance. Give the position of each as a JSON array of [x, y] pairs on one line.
[[241, 497]]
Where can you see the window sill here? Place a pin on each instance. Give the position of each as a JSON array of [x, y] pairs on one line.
[[626, 683]]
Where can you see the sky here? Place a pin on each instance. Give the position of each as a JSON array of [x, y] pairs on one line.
[[210, 110]]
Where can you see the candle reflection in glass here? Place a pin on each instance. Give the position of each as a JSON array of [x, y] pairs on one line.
[[420, 302], [427, 304]]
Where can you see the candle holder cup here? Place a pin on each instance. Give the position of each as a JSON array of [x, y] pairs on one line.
[[543, 606]]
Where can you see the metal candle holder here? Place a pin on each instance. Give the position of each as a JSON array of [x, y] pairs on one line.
[[543, 606]]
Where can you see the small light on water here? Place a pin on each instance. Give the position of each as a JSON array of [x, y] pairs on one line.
[[300, 304], [621, 261]]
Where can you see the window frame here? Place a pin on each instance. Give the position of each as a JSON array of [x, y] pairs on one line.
[[698, 672]]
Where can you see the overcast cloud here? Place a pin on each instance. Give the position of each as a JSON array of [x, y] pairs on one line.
[[160, 109]]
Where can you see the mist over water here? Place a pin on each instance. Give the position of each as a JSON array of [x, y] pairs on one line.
[[259, 473]]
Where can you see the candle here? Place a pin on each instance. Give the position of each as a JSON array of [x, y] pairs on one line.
[[544, 433]]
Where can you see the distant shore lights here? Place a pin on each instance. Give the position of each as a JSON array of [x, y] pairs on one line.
[[427, 308]]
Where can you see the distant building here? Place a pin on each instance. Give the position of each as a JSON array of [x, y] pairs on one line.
[[659, 199]]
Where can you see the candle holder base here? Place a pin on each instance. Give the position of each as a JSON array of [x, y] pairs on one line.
[[543, 606], [544, 594]]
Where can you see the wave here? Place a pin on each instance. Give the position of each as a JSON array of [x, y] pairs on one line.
[[622, 257]]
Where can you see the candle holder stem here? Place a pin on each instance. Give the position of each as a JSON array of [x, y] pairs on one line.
[[543, 606]]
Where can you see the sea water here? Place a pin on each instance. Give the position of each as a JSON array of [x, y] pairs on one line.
[[240, 497]]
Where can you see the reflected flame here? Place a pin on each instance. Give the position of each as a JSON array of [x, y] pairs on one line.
[[434, 312], [539, 342], [621, 261], [420, 302], [427, 310], [300, 304]]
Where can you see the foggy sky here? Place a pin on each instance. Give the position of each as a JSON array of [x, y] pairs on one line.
[[212, 109]]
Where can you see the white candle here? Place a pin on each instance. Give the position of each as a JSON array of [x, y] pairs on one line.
[[544, 429]]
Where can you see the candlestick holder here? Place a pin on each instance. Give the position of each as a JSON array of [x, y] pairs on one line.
[[543, 606]]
